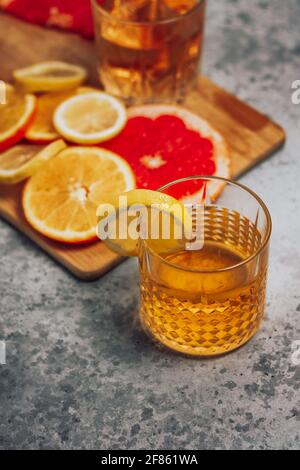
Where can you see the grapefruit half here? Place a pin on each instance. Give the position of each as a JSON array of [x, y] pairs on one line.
[[165, 143]]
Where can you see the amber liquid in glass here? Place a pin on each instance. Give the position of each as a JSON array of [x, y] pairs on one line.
[[145, 61], [213, 312]]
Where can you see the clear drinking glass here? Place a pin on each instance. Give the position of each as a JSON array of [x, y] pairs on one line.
[[148, 50], [211, 300]]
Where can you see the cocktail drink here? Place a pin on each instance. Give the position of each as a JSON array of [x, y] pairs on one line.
[[148, 50], [211, 300]]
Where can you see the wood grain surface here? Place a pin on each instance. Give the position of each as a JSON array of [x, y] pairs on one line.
[[251, 136]]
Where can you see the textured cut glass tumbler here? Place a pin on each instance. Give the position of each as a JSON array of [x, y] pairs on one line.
[[210, 301], [148, 51]]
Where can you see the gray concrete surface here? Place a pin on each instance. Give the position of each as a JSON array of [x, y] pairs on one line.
[[79, 372]]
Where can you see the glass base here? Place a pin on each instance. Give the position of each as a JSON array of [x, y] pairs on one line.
[[199, 351]]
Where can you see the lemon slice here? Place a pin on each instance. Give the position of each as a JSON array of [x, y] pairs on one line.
[[61, 200], [22, 161], [90, 118], [50, 76], [42, 129], [114, 228]]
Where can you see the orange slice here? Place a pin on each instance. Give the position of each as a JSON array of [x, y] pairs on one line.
[[22, 161], [61, 200], [42, 129], [15, 116], [50, 76], [90, 118]]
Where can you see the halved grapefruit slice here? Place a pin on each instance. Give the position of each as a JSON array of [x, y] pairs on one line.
[[166, 143], [15, 117]]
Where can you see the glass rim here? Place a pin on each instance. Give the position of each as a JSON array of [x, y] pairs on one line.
[[147, 23], [234, 266]]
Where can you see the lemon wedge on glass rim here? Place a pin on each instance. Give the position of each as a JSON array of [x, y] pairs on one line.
[[126, 218]]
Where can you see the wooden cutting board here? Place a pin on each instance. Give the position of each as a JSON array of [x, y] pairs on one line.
[[251, 136]]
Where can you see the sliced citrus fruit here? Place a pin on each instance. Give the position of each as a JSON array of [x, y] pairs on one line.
[[159, 218], [61, 200], [50, 76], [90, 118], [42, 129], [164, 143], [22, 161], [179, 7], [15, 116]]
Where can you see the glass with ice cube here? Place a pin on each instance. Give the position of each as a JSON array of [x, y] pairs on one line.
[[148, 51]]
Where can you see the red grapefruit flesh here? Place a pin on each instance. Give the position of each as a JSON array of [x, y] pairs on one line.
[[166, 143]]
